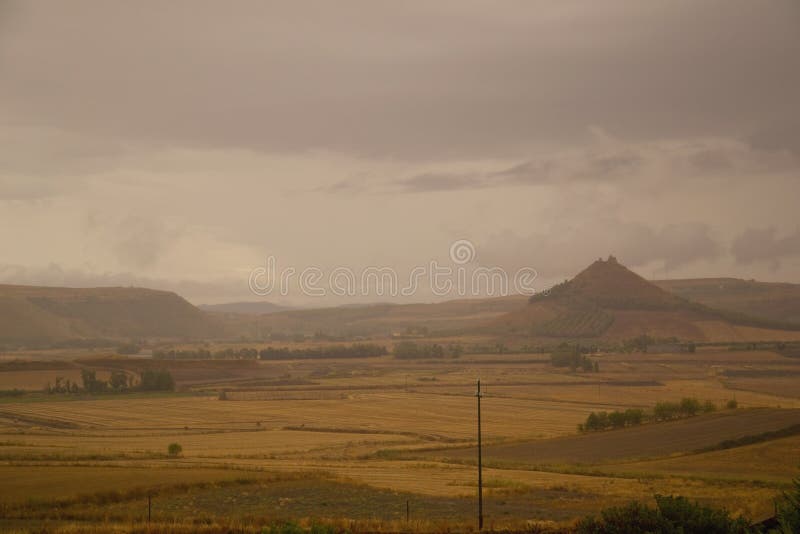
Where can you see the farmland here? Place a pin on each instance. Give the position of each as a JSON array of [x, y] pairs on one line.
[[294, 436]]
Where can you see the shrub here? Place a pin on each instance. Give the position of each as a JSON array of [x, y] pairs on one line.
[[285, 528], [709, 407], [118, 380], [664, 411], [672, 515], [788, 508], [732, 404], [690, 406], [572, 357], [91, 384], [174, 449], [633, 518], [634, 416], [156, 380], [617, 419]]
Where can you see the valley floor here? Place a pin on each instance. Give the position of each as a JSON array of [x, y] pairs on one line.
[[367, 440]]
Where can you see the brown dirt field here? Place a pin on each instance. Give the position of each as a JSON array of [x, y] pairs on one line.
[[650, 440], [783, 386], [385, 412], [761, 461]]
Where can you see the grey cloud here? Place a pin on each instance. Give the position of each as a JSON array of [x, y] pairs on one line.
[[612, 166], [784, 135], [618, 163], [711, 160], [569, 247], [342, 186], [527, 173], [764, 244], [406, 79], [422, 183], [28, 188], [680, 244], [140, 241]]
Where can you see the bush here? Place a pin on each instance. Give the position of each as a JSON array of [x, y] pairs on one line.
[[572, 357], [634, 416], [633, 518], [672, 515], [664, 411], [617, 419], [294, 528], [91, 384], [788, 507], [156, 380], [732, 404], [709, 407], [174, 449], [690, 406]]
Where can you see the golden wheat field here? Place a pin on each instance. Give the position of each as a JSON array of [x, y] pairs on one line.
[[310, 440]]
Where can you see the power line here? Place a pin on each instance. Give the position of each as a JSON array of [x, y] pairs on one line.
[[480, 464]]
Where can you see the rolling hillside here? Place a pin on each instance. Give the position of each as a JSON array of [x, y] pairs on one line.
[[766, 300], [454, 316], [254, 308], [49, 314], [609, 301]]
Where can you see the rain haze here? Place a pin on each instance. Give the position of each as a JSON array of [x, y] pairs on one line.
[[178, 145], [373, 266]]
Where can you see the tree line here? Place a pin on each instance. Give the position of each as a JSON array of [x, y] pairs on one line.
[[205, 354], [408, 350], [575, 357], [118, 382], [662, 411], [356, 350]]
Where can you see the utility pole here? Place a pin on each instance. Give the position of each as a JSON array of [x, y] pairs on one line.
[[480, 465]]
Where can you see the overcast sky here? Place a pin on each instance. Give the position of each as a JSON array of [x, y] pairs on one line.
[[178, 144]]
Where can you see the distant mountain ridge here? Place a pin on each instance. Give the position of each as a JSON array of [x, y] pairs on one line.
[[31, 314], [604, 301], [773, 301]]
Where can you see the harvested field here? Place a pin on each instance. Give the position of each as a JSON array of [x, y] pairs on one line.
[[765, 461], [356, 426]]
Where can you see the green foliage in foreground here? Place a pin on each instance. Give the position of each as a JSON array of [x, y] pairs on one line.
[[294, 528], [672, 515], [788, 507]]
